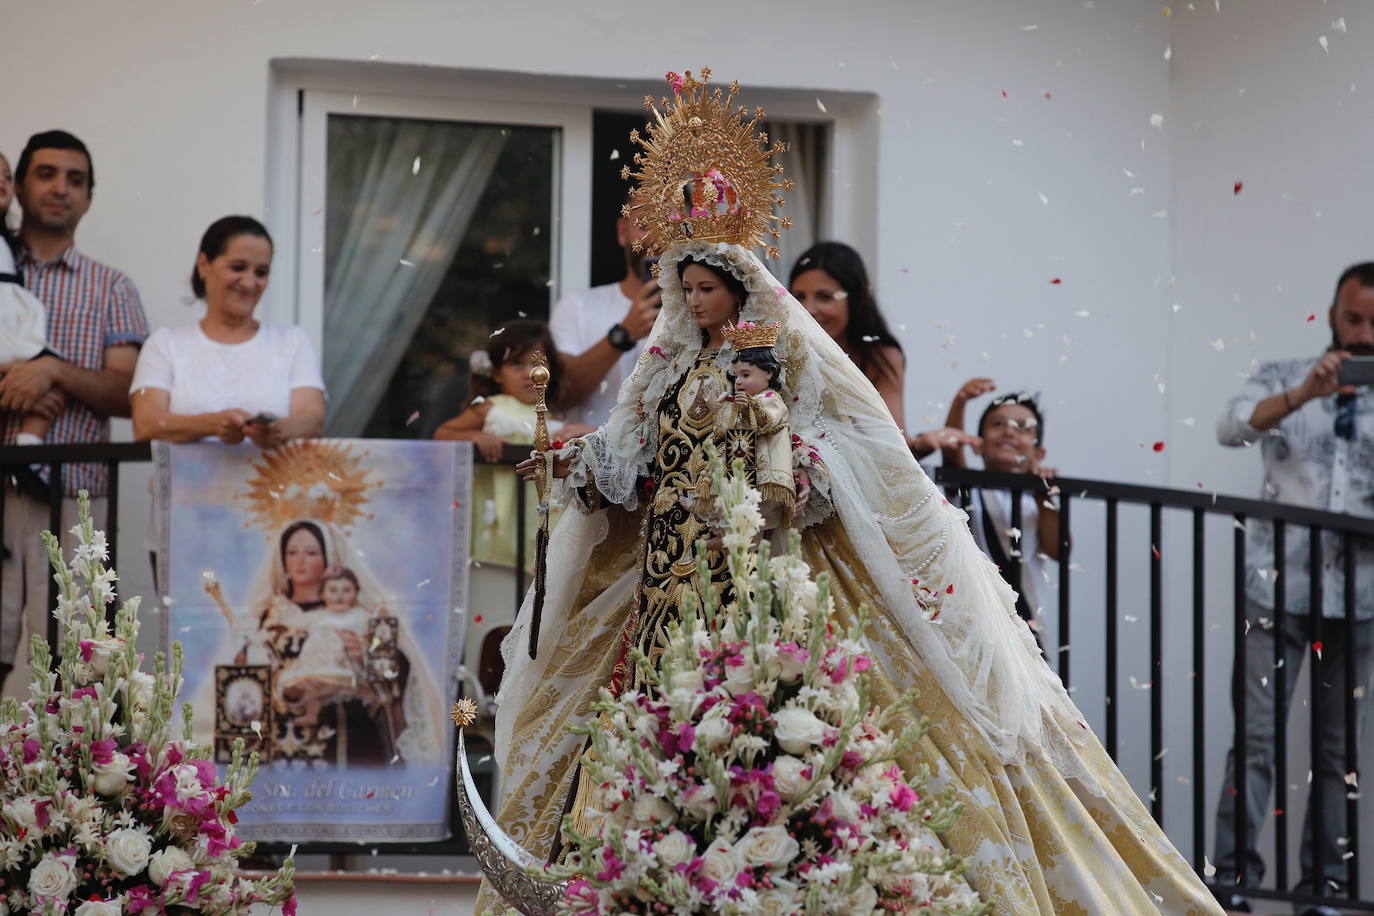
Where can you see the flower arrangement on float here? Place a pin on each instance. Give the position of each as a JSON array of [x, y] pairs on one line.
[[752, 773], [101, 811]]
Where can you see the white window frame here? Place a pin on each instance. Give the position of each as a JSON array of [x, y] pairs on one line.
[[569, 239], [304, 94]]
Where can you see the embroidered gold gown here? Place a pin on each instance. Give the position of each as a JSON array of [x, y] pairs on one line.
[[1036, 842]]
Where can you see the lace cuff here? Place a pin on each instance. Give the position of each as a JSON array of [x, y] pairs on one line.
[[819, 505], [577, 488]]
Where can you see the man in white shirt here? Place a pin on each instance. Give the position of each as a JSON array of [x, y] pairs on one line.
[[1316, 439], [600, 332]]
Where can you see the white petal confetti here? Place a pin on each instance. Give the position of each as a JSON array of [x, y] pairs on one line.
[[1169, 52], [1043, 199], [821, 106], [1326, 45], [615, 154], [1338, 25], [415, 166], [1082, 313], [1157, 121]]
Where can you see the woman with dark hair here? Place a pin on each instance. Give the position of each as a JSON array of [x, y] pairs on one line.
[[229, 375], [830, 281]]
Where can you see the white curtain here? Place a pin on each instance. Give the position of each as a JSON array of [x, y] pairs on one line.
[[803, 163], [401, 194]]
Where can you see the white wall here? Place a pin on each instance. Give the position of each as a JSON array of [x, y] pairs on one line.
[[175, 101]]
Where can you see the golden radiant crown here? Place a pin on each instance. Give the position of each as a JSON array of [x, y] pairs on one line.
[[746, 335], [310, 479], [704, 174]]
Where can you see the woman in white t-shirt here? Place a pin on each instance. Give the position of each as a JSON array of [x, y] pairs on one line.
[[229, 376]]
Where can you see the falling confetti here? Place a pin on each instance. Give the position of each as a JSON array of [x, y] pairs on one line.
[[615, 154], [1326, 45], [1168, 52], [415, 166], [405, 263], [1047, 95], [1157, 121], [412, 418], [1043, 199], [1236, 188], [1004, 95], [1082, 313], [1029, 28], [1317, 647], [821, 106], [421, 584], [1158, 446], [1312, 317], [1338, 25], [1056, 281]]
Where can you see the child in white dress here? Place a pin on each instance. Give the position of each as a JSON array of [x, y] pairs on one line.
[[501, 412]]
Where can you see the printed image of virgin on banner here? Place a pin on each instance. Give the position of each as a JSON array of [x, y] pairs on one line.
[[319, 591]]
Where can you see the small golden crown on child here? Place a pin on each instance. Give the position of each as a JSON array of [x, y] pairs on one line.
[[746, 335]]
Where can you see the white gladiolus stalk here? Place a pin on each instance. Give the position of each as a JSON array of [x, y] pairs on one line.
[[752, 773]]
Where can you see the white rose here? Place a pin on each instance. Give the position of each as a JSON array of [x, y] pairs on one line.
[[845, 807], [701, 804], [112, 777], [767, 846], [788, 778], [141, 690], [715, 731], [776, 903], [23, 813], [861, 901], [127, 851], [100, 908], [790, 667], [163, 863], [53, 877], [692, 679], [797, 728], [720, 863], [102, 651], [674, 848], [740, 678], [652, 808]]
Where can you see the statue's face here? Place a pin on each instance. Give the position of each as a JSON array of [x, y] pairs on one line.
[[749, 379], [710, 302]]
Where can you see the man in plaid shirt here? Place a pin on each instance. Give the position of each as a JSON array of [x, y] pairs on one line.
[[95, 326]]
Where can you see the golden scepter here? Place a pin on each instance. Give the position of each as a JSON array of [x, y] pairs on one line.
[[543, 473]]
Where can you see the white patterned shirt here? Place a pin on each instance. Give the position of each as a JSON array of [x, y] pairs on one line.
[[1306, 464]]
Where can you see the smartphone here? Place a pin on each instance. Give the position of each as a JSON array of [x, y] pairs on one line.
[[1357, 370], [647, 275], [263, 418]]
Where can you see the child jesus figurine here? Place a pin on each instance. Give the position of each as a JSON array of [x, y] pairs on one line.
[[755, 419]]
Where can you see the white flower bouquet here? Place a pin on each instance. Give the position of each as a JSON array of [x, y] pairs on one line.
[[752, 773], [101, 811]]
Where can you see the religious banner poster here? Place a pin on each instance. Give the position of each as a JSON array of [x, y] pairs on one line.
[[318, 591]]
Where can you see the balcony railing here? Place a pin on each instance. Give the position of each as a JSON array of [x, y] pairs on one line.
[[1075, 610]]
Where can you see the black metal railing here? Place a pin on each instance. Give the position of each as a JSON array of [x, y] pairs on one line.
[[1073, 615]]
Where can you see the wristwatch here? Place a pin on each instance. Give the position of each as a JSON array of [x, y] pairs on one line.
[[619, 337]]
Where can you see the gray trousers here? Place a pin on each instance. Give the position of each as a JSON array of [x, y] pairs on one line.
[[1328, 770]]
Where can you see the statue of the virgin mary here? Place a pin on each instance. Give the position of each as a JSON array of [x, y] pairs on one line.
[[1050, 826]]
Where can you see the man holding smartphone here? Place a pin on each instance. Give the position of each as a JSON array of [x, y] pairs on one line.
[[1314, 422], [599, 332]]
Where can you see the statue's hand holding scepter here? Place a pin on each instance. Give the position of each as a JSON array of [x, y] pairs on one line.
[[543, 476]]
